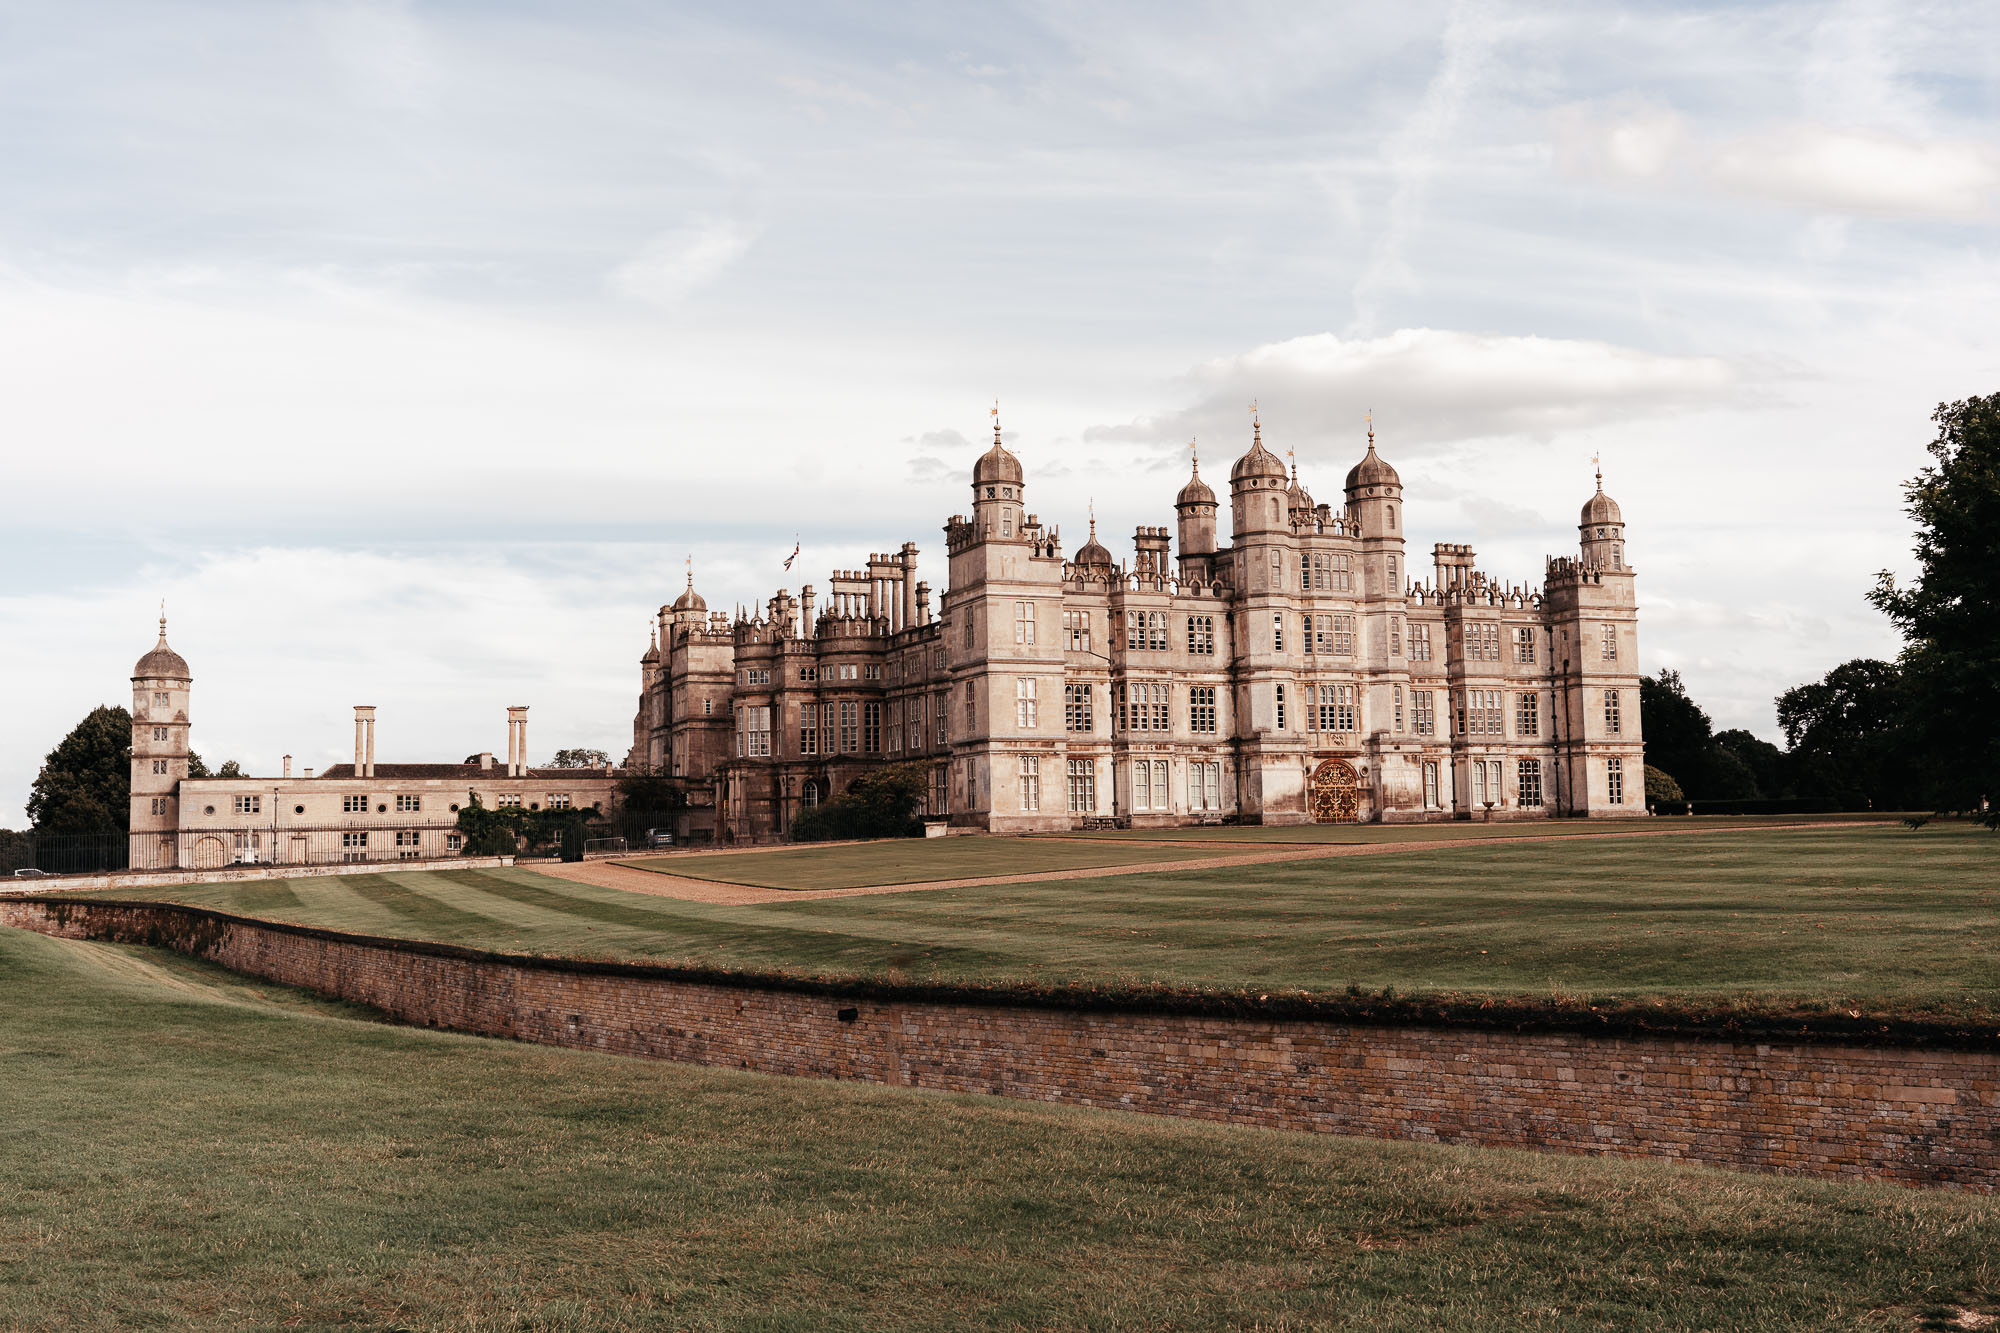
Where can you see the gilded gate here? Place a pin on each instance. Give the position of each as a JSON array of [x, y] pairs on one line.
[[1335, 792]]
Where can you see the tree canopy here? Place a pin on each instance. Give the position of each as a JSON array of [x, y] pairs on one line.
[[85, 785], [579, 759], [882, 803], [1950, 613]]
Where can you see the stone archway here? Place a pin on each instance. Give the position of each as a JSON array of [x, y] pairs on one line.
[[209, 853], [1335, 792]]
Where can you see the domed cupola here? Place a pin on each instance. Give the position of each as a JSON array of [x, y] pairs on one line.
[[1092, 554], [1196, 492], [1372, 470], [1602, 528], [652, 653], [1195, 509], [1260, 465], [689, 600], [162, 663], [999, 494], [1600, 508], [996, 465], [1296, 495]]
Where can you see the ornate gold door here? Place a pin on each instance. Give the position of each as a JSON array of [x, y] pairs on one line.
[[1336, 795]]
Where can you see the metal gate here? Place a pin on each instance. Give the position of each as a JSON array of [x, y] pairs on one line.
[[1336, 794]]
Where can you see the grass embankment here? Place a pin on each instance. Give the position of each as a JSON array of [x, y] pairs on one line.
[[1877, 920], [914, 860], [185, 1150]]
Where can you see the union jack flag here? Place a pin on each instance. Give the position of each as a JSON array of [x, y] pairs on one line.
[[793, 556]]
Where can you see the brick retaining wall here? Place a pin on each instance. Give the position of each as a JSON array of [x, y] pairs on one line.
[[1918, 1115]]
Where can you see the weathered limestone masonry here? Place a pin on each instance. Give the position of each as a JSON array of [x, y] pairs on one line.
[[1917, 1115]]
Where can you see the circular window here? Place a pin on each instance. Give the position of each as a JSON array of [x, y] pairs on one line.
[[298, 809], [208, 809], [381, 809], [454, 809], [534, 805]]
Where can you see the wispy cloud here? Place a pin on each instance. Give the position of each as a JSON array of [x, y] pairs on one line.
[[1818, 167], [680, 261], [1431, 387]]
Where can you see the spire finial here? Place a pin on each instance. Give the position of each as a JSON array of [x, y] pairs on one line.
[[1596, 461], [1093, 519], [1371, 430], [1256, 425], [1195, 454], [690, 565], [163, 619], [996, 421], [1293, 454]]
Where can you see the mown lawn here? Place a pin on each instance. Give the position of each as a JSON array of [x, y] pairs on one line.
[[185, 1150], [913, 860], [1459, 831], [1882, 919]]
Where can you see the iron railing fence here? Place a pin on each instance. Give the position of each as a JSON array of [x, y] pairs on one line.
[[217, 848], [64, 853]]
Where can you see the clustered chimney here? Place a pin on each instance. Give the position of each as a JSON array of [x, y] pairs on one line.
[[364, 740], [517, 741]]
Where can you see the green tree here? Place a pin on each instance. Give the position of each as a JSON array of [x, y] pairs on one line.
[[1950, 613], [1846, 736], [1768, 765], [648, 799], [1676, 729], [1660, 787], [85, 785], [881, 803], [579, 759]]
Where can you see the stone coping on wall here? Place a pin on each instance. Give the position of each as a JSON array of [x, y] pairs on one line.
[[139, 879], [1359, 1008]]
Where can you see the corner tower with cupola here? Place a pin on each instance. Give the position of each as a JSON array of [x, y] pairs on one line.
[[1593, 611], [160, 686], [1002, 630]]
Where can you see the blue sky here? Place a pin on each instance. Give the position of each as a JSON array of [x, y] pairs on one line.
[[408, 350]]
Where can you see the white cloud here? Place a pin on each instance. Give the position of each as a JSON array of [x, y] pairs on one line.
[[1433, 386], [1857, 171], [1630, 139], [1819, 167], [680, 261]]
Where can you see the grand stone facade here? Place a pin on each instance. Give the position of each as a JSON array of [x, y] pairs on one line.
[[1299, 673]]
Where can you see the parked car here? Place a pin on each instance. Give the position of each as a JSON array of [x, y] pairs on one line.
[[29, 872], [659, 837]]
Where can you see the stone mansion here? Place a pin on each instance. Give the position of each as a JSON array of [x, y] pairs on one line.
[[1299, 673]]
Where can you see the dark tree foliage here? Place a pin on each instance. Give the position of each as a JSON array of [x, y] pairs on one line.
[[1721, 775], [1769, 769], [1846, 736], [882, 803], [509, 830], [17, 849], [579, 759], [1676, 729], [85, 785], [1950, 614], [648, 799]]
